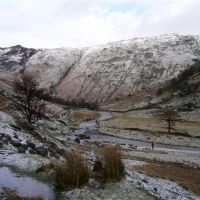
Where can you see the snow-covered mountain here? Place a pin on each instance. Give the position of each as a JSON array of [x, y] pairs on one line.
[[132, 69]]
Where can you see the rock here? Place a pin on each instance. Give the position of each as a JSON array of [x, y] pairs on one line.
[[155, 190], [16, 136], [15, 143], [1, 136], [52, 152], [21, 149], [145, 180], [16, 128], [1, 144], [8, 137], [41, 150], [77, 140], [62, 142], [24, 146], [5, 140], [94, 183], [31, 151], [1, 191], [83, 137], [97, 166], [30, 144]]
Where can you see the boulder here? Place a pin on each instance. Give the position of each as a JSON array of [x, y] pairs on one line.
[[84, 137], [15, 143], [16, 136], [1, 144], [77, 140], [1, 136], [5, 140], [25, 146], [31, 151], [8, 137], [94, 183], [21, 149], [41, 150], [30, 144], [16, 128]]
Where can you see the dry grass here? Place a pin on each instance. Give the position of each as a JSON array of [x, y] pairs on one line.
[[3, 101], [187, 177], [130, 126], [15, 196], [84, 115], [74, 172], [109, 163]]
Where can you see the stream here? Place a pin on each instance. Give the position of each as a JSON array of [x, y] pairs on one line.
[[89, 128]]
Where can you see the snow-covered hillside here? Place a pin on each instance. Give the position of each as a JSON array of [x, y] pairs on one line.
[[134, 68]]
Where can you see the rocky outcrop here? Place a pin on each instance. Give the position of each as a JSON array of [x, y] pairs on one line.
[[13, 59]]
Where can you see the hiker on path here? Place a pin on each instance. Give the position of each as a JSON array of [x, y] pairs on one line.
[[152, 145]]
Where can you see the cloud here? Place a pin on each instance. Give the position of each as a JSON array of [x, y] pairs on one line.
[[57, 23]]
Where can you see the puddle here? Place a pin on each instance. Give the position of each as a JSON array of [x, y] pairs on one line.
[[25, 186]]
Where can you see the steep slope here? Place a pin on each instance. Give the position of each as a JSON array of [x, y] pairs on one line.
[[50, 66], [119, 72], [128, 68]]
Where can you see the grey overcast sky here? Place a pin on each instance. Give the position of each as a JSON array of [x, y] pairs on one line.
[[78, 23]]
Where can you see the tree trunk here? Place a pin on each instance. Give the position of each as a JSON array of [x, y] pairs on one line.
[[169, 126]]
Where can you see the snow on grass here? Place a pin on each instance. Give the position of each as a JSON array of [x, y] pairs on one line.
[[162, 189], [26, 162], [183, 157]]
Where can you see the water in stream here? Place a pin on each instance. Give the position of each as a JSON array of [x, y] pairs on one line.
[[89, 128]]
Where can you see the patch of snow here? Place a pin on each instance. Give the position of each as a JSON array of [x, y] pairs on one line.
[[162, 189], [27, 162]]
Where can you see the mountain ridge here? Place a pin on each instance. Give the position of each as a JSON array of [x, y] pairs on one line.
[[127, 69]]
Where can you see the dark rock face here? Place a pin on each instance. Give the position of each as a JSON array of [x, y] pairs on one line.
[[13, 59]]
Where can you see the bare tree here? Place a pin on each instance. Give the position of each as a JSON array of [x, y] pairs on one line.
[[28, 100], [170, 116]]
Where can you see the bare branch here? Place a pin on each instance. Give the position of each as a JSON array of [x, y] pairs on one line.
[[28, 99]]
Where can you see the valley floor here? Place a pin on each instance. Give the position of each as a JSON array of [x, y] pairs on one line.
[[162, 173], [149, 128]]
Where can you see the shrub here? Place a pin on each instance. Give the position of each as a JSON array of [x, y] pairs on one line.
[[74, 172], [111, 163]]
